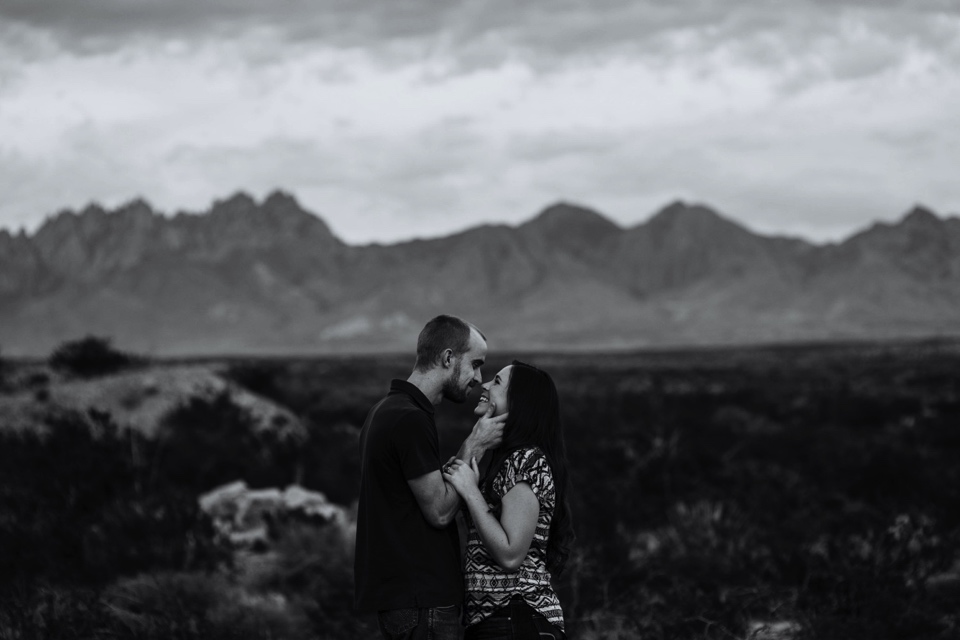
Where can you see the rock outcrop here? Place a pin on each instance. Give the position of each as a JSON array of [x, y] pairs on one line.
[[245, 518]]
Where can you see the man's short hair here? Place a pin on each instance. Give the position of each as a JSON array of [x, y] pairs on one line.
[[439, 334]]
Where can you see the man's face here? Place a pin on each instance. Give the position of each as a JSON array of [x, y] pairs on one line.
[[465, 373]]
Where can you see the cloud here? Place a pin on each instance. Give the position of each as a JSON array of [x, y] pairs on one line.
[[481, 33], [398, 119]]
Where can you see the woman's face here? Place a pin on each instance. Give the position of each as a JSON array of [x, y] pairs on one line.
[[495, 392]]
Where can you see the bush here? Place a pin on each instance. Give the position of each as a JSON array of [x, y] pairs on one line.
[[6, 371], [90, 356], [83, 505], [313, 567], [201, 605], [330, 461], [710, 495], [56, 613], [209, 442], [261, 378]]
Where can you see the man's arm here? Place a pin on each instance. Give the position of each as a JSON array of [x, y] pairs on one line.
[[438, 500]]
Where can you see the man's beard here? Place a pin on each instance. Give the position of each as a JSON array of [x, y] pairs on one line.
[[452, 390]]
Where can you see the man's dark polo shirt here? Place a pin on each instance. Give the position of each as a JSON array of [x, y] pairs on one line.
[[401, 561]]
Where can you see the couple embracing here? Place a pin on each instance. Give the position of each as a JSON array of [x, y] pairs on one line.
[[408, 562]]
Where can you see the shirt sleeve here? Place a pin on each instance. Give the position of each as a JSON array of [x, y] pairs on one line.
[[530, 466], [417, 446]]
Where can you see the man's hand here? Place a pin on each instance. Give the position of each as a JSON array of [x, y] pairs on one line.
[[486, 434]]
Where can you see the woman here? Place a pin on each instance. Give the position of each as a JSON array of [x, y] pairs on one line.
[[519, 520]]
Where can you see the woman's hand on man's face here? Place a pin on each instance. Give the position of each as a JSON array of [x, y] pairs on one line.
[[464, 477]]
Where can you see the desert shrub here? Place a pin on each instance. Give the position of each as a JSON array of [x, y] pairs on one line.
[[329, 392], [37, 380], [260, 377], [200, 605], [709, 491], [313, 566], [330, 461], [207, 442], [82, 505], [157, 606], [56, 613], [7, 370], [338, 406], [814, 465], [90, 356]]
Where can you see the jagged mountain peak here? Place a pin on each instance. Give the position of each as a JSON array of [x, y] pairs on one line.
[[681, 214], [695, 227], [283, 206], [675, 208], [919, 220], [921, 246], [566, 213], [240, 202], [94, 219], [135, 207], [279, 199], [240, 220], [572, 226], [93, 209], [69, 219], [921, 216], [67, 223]]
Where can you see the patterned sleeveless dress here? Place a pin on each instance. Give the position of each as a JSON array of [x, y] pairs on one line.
[[488, 586]]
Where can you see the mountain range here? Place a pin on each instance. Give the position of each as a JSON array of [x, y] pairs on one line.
[[271, 278]]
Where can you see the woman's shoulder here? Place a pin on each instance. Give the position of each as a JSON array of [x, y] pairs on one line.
[[527, 459], [529, 465], [526, 455]]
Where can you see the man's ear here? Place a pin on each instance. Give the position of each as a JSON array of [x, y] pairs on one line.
[[446, 358]]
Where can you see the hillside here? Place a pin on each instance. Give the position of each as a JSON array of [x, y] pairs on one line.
[[270, 277]]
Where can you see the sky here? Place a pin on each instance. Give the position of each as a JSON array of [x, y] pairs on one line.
[[394, 119]]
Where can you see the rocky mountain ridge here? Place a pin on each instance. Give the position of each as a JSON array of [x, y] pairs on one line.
[[270, 277]]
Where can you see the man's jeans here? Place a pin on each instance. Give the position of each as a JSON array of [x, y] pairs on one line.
[[438, 623]]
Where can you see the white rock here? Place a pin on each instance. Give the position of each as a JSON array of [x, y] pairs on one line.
[[222, 499], [772, 630]]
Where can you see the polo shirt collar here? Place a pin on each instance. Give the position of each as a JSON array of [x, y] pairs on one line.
[[402, 386]]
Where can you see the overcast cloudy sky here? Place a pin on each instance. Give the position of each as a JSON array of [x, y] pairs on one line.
[[393, 118]]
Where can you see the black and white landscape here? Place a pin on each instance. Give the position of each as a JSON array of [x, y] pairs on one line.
[[728, 229]]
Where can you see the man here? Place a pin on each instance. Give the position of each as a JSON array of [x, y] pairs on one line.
[[407, 564]]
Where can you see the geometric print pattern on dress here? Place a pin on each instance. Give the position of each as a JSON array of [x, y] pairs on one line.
[[488, 586]]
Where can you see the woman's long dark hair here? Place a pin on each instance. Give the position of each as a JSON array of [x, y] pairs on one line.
[[533, 419]]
